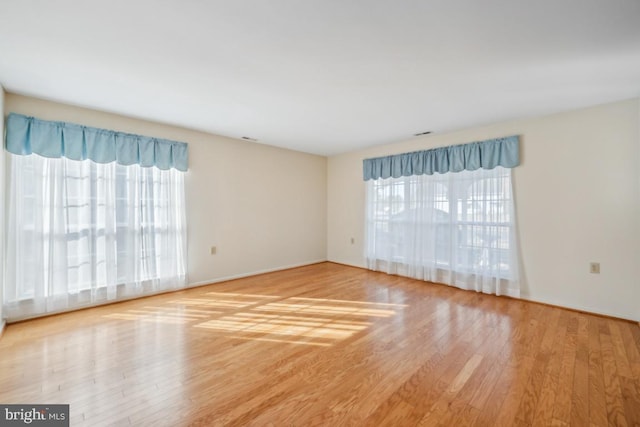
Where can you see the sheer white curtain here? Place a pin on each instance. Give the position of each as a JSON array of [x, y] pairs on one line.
[[453, 228], [81, 233]]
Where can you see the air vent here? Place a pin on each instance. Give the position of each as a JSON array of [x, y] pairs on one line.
[[422, 133], [249, 139]]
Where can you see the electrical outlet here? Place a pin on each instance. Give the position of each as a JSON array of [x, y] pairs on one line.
[[213, 250], [594, 268]]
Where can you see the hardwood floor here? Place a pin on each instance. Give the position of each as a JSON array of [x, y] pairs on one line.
[[327, 345]]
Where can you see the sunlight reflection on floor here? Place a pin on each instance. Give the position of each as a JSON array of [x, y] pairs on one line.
[[294, 320]]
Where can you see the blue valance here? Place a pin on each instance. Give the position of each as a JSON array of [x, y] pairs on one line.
[[487, 154], [27, 135]]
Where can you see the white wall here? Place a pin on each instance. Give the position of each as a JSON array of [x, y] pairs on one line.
[[263, 207], [577, 199], [2, 195]]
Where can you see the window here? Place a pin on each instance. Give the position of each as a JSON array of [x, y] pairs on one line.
[[81, 232], [456, 228]]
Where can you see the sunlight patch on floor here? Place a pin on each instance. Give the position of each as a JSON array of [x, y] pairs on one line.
[[294, 320]]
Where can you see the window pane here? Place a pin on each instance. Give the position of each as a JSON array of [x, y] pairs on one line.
[[81, 232], [443, 226]]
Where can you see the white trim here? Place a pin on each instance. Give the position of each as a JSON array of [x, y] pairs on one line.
[[349, 264], [526, 297], [165, 291], [578, 307], [253, 273], [3, 324], [87, 306]]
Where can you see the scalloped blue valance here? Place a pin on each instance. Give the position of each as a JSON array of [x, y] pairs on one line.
[[27, 135], [487, 154]]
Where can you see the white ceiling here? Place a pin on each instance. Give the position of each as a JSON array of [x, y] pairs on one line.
[[322, 76]]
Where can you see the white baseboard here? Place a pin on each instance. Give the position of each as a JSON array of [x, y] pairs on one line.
[[190, 285], [526, 297], [349, 264], [2, 326], [253, 273], [578, 307]]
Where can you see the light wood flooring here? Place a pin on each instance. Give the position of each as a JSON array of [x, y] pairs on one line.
[[327, 345]]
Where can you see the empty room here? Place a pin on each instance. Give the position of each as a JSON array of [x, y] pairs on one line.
[[320, 213]]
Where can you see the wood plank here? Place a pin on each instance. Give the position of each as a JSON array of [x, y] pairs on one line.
[[597, 405], [544, 409], [622, 362], [613, 394], [527, 409], [633, 354], [580, 395], [562, 407], [631, 400]]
